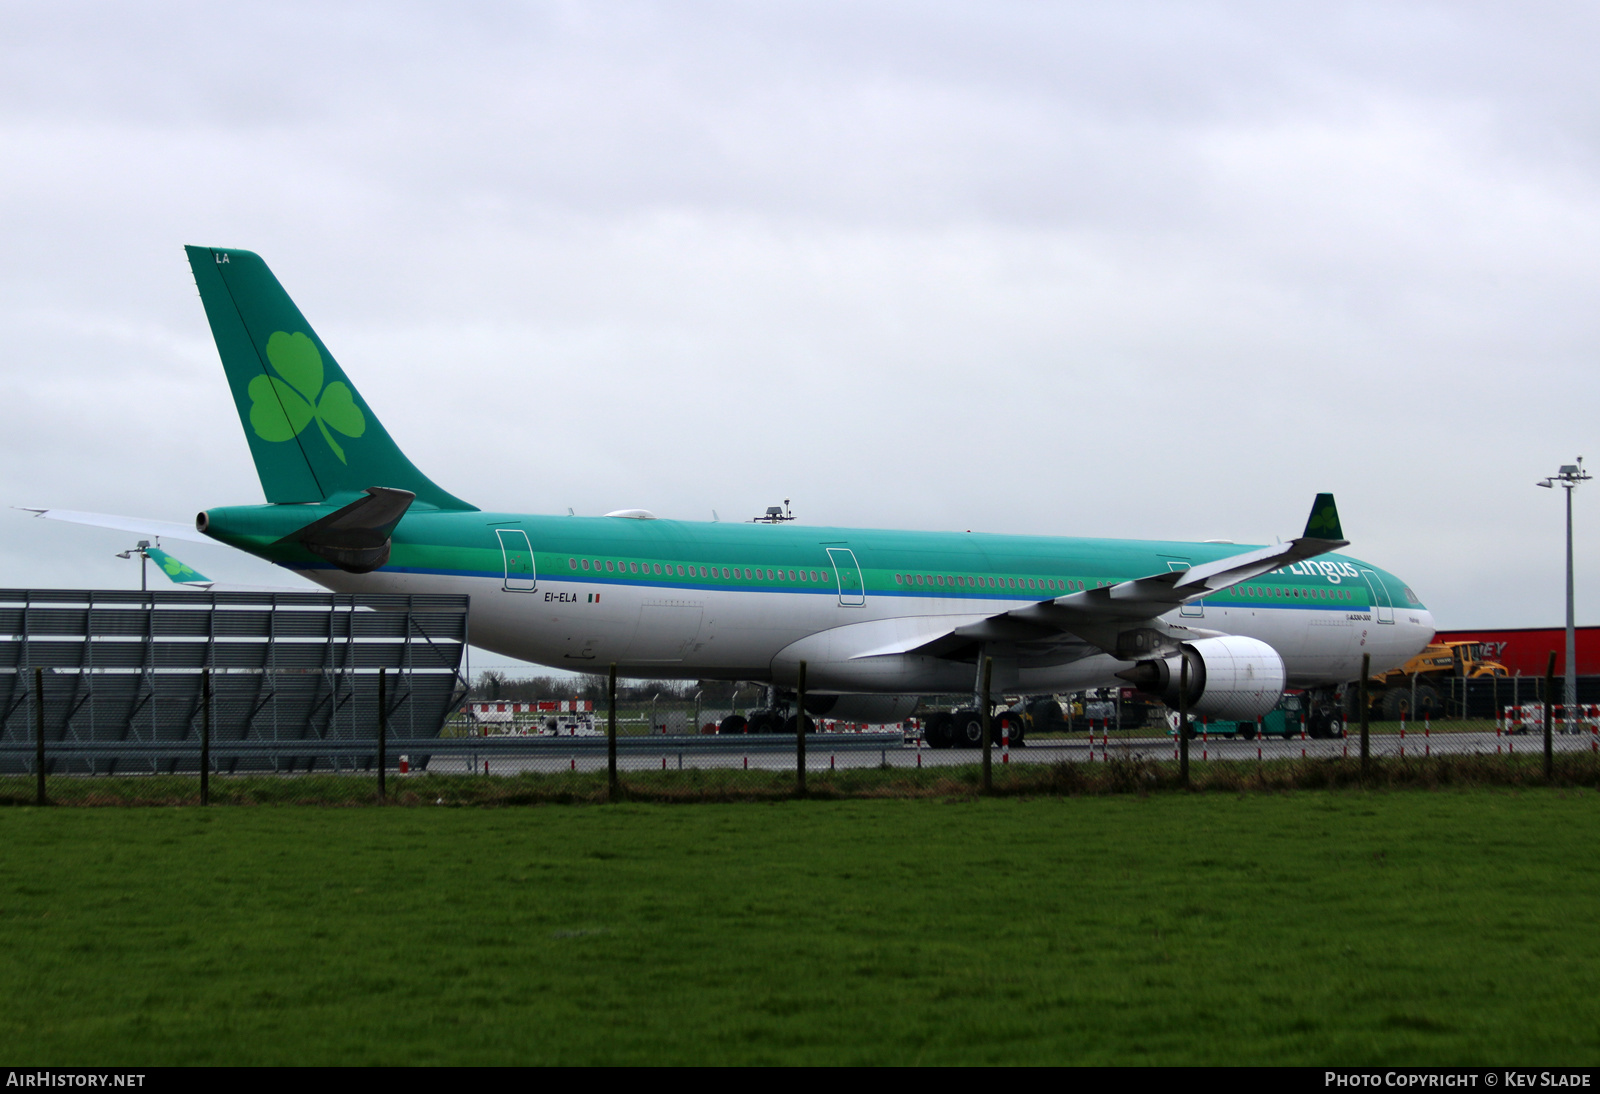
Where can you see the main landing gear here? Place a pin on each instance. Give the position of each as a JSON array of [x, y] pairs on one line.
[[964, 729], [776, 717]]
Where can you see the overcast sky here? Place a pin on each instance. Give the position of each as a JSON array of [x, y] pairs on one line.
[[1125, 269]]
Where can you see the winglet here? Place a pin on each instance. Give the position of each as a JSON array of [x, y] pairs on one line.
[[1324, 520]]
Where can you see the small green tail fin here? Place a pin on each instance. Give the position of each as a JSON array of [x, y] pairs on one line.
[[1324, 520], [311, 434], [181, 573]]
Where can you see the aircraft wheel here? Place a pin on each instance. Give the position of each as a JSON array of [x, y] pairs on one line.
[[1007, 724], [1247, 730], [733, 723], [968, 729], [939, 730], [764, 722], [789, 723]]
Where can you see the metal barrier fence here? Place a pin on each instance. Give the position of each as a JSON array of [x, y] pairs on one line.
[[115, 682]]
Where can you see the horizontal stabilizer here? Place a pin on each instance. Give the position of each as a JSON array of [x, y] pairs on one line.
[[356, 537], [161, 529]]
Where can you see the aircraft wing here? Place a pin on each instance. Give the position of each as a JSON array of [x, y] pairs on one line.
[[1098, 616], [182, 574], [161, 528]]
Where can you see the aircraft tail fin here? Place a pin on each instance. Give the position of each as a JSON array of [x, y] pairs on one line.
[[1324, 520], [311, 434], [181, 573]]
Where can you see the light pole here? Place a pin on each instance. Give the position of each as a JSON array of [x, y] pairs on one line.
[[144, 557], [1570, 475]]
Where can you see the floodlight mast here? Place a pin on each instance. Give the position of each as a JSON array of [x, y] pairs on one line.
[[1568, 478], [142, 550]]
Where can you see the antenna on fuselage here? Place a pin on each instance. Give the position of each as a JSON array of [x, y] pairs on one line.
[[775, 514]]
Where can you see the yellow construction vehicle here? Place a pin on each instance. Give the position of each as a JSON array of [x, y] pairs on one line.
[[1411, 690]]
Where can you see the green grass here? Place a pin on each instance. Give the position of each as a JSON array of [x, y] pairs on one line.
[[1353, 928], [1121, 772]]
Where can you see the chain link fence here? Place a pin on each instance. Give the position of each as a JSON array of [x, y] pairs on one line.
[[477, 762], [120, 697]]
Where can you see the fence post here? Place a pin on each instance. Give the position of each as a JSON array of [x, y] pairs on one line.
[[38, 724], [988, 672], [1183, 718], [383, 730], [1549, 695], [1366, 740], [611, 733], [205, 736], [800, 737]]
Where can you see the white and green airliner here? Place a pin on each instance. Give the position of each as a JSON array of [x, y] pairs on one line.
[[875, 615]]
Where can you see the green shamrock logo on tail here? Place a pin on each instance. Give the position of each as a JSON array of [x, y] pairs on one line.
[[1324, 520], [178, 571], [282, 406]]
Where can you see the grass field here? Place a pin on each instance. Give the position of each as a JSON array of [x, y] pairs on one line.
[[1307, 928], [1118, 771]]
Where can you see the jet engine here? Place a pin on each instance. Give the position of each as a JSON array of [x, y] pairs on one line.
[[871, 709], [1235, 678]]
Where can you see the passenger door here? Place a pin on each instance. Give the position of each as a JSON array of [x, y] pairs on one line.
[[518, 555], [847, 572]]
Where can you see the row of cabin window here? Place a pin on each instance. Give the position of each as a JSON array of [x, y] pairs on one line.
[[1055, 585], [962, 581], [1299, 594], [670, 569]]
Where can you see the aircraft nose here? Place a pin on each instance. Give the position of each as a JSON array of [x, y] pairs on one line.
[[1424, 628]]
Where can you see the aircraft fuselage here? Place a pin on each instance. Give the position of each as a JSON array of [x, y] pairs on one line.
[[674, 599]]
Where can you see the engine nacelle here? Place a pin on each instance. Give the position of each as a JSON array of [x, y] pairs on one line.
[[871, 709], [1235, 678]]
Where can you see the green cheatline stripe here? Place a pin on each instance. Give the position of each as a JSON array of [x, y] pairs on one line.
[[453, 543]]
